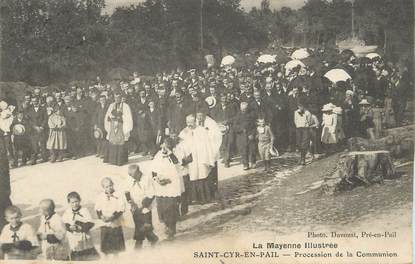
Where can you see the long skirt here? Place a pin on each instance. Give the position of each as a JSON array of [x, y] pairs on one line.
[[112, 240], [116, 154], [264, 150], [57, 140], [303, 138], [328, 136]]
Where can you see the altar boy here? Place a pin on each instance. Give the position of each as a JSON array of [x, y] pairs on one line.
[[52, 232], [110, 208], [78, 223], [17, 239]]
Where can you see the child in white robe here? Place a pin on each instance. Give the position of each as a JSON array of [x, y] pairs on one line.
[[78, 223], [52, 232], [17, 239]]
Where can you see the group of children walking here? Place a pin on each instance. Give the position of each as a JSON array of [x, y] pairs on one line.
[[67, 237]]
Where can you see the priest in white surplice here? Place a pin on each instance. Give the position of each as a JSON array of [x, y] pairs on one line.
[[118, 124], [200, 142]]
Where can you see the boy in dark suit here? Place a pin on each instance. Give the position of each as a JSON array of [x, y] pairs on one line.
[[21, 139]]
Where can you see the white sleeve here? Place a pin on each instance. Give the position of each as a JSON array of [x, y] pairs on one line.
[[127, 121], [98, 205], [86, 215], [120, 206], [67, 217], [30, 235], [150, 191], [4, 236], [58, 227], [107, 124]]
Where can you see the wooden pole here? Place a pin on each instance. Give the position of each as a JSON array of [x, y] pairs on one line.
[[353, 33], [201, 24]]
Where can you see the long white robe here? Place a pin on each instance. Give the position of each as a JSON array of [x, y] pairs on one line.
[[214, 135], [127, 119], [203, 143], [165, 169]]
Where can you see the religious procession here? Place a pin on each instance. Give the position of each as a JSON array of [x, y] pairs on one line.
[[176, 133]]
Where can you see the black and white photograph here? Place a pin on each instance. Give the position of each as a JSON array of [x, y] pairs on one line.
[[207, 131]]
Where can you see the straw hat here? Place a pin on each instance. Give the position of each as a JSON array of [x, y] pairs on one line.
[[18, 130], [364, 102], [98, 133], [274, 151], [338, 110], [328, 107], [211, 101]]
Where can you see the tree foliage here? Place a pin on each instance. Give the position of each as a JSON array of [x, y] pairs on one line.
[[48, 40]]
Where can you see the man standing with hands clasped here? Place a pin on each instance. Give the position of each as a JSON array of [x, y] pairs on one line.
[[139, 195]]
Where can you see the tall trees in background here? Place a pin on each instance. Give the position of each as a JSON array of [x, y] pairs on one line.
[[50, 40]]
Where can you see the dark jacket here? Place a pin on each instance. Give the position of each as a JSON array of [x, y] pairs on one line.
[[38, 118]]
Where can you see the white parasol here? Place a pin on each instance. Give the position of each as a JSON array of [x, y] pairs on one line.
[[300, 54], [293, 64], [337, 75], [266, 58], [227, 61], [373, 55]]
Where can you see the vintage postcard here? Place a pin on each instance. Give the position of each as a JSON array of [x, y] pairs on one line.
[[206, 131]]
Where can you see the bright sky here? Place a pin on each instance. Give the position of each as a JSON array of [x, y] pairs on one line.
[[247, 4]]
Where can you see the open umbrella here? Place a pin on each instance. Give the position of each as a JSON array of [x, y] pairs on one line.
[[300, 54], [373, 55], [266, 58], [293, 64], [337, 75], [227, 61]]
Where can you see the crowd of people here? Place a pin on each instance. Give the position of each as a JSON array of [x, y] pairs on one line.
[[186, 121], [79, 121]]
